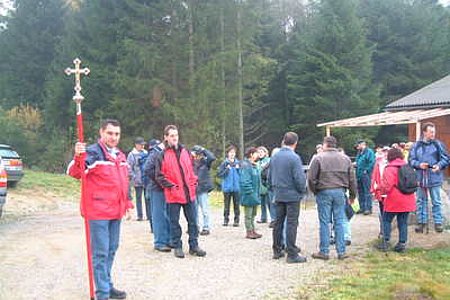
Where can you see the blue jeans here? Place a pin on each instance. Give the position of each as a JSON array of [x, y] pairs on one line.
[[175, 228], [202, 202], [160, 219], [402, 223], [104, 243], [139, 190], [365, 198], [264, 206], [272, 207], [422, 204], [347, 229], [148, 206], [331, 206]]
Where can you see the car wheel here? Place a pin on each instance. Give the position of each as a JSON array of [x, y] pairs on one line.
[[12, 184]]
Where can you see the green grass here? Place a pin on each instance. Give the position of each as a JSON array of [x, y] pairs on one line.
[[417, 274], [58, 184]]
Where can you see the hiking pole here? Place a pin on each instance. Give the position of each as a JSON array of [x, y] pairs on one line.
[[78, 98], [425, 212]]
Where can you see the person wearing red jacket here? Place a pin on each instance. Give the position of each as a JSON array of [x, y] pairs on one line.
[[105, 201], [375, 185], [396, 204], [174, 172]]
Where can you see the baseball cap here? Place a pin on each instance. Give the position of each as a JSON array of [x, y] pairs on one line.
[[153, 142], [139, 141]]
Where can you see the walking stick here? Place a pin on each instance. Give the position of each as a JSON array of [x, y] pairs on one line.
[[425, 200], [78, 98]]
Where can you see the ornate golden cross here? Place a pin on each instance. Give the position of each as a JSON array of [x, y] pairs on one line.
[[78, 72]]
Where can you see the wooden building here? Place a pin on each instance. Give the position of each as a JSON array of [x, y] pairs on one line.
[[428, 104]]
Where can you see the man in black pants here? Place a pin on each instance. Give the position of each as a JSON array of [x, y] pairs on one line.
[[288, 182]]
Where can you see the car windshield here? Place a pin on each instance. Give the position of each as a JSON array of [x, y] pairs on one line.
[[8, 153]]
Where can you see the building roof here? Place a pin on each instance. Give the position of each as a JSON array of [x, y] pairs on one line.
[[436, 94], [389, 118]]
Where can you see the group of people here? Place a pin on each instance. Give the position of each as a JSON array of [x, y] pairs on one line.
[[173, 178]]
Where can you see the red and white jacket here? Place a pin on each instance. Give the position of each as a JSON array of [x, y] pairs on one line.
[[175, 174], [106, 184]]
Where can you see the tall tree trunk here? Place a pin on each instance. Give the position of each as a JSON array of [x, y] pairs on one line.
[[174, 60], [222, 74], [240, 79], [191, 43]]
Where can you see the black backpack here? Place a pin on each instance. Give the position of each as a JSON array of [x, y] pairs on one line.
[[407, 180]]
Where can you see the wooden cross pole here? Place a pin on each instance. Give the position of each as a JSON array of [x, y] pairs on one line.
[[78, 98]]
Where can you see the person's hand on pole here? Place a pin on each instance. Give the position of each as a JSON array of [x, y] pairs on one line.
[[423, 166], [80, 148]]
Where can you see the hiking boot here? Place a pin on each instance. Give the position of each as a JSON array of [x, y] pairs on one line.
[[236, 224], [257, 235], [383, 246], [343, 256], [197, 252], [419, 228], [348, 242], [367, 212], [178, 252], [438, 228], [295, 260], [400, 247], [116, 294], [261, 221], [250, 235], [278, 254], [225, 223], [163, 248], [204, 232], [320, 255], [272, 224]]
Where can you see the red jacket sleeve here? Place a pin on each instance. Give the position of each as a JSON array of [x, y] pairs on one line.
[[389, 179], [74, 168]]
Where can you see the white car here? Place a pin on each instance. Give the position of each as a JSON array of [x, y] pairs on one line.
[[3, 185]]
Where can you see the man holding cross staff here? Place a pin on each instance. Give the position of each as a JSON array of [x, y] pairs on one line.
[[103, 171]]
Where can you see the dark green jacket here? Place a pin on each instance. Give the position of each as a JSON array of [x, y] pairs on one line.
[[250, 184]]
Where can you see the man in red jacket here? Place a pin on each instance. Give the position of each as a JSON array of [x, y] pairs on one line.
[[105, 201], [175, 174]]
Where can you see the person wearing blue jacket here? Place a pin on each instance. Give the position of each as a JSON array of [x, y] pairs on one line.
[[160, 214], [365, 161], [429, 157], [288, 183], [229, 172]]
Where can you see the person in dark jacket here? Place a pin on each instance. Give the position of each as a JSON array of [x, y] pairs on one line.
[[105, 201], [160, 214], [229, 172], [429, 157], [365, 161], [203, 160], [288, 183], [250, 190], [329, 176], [175, 174]]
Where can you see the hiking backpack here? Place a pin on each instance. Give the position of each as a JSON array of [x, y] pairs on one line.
[[407, 180]]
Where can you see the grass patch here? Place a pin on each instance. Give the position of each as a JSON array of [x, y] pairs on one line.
[[417, 274], [57, 184]]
